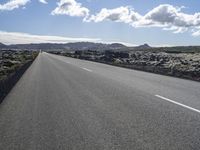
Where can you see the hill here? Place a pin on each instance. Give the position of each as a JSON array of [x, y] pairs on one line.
[[3, 45], [70, 46], [82, 46]]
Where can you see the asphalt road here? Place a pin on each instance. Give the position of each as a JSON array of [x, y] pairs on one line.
[[69, 104]]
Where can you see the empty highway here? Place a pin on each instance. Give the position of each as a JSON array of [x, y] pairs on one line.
[[63, 103]]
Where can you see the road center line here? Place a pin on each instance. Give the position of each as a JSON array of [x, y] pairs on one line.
[[177, 103], [87, 69]]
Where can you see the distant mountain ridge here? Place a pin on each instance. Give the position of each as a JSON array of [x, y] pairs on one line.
[[78, 46], [82, 46], [3, 45], [67, 46], [144, 46]]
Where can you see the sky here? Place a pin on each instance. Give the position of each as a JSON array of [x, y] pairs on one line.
[[131, 22]]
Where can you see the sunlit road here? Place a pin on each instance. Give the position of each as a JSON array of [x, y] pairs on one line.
[[63, 103]]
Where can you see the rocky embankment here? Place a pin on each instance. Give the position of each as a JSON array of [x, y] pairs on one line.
[[12, 66], [184, 65], [181, 64]]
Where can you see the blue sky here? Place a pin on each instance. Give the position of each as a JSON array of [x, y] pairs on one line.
[[134, 22]]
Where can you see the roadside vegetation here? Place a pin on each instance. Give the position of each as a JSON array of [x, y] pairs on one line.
[[12, 66]]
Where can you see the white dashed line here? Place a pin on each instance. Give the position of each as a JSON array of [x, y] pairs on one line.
[[87, 69], [177, 103]]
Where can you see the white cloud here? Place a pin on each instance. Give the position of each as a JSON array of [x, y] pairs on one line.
[[43, 1], [24, 38], [13, 4], [120, 14], [70, 8], [164, 16], [168, 15], [196, 32]]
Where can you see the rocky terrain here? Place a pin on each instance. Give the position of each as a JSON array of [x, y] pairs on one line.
[[178, 64], [179, 61], [12, 65]]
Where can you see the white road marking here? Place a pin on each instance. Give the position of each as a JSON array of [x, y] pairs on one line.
[[87, 69], [177, 103], [68, 62]]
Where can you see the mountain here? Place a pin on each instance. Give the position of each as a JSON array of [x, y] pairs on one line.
[[116, 46], [81, 46], [144, 46], [78, 46], [43, 46], [3, 45], [70, 46]]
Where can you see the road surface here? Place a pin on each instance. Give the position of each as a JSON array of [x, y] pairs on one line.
[[69, 104]]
